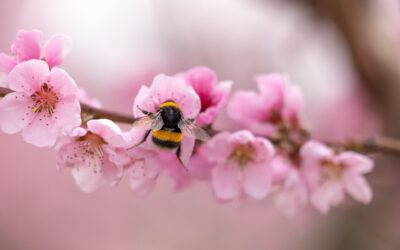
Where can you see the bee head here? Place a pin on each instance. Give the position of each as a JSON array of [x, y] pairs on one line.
[[171, 115]]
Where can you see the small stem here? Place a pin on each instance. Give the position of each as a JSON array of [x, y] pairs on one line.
[[375, 145]]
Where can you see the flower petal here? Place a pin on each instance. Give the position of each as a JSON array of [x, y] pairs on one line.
[[28, 76], [41, 131], [107, 130], [89, 181], [358, 187], [7, 63], [218, 149], [328, 194], [226, 182], [15, 112], [26, 46], [257, 181], [357, 163], [56, 48], [252, 111]]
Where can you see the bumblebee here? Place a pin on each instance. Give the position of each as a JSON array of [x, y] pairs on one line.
[[168, 127]]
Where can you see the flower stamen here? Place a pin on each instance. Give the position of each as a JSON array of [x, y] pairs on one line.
[[45, 99], [243, 154]]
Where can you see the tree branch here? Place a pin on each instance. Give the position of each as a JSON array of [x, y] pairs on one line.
[[376, 145]]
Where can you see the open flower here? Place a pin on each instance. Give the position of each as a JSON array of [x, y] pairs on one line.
[[44, 104], [331, 175], [26, 47], [170, 89], [241, 165], [213, 95], [95, 154], [277, 105]]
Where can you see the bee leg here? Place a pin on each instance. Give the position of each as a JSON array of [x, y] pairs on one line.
[[144, 111], [178, 155], [143, 140]]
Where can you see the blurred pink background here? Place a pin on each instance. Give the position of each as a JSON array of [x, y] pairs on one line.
[[119, 45]]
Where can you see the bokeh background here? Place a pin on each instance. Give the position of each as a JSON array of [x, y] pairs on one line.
[[343, 53]]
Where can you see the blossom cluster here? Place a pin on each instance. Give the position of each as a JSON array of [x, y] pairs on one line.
[[271, 155]]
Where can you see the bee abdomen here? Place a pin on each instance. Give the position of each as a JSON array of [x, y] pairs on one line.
[[166, 139]]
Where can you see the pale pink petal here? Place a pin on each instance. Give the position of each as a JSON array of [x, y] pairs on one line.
[[7, 63], [218, 149], [257, 181], [202, 80], [187, 146], [263, 148], [221, 93], [315, 151], [358, 187], [293, 103], [226, 182], [55, 49], [264, 129], [272, 88], [327, 195], [89, 181], [246, 107], [28, 76], [199, 165], [241, 137], [281, 167], [70, 156], [207, 117], [142, 102], [40, 131], [63, 84], [3, 80], [312, 154], [357, 163], [67, 115], [15, 112], [26, 45], [293, 195], [218, 100], [107, 130], [143, 176], [174, 169]]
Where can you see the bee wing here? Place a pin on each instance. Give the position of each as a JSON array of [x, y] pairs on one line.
[[190, 129], [150, 122]]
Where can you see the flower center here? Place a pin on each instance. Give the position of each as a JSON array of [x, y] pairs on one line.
[[91, 147], [243, 154], [331, 169], [45, 100]]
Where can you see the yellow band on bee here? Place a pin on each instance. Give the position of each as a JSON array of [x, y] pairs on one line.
[[169, 104], [164, 135]]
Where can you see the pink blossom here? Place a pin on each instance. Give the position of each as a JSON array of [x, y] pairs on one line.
[[44, 104], [291, 194], [332, 175], [213, 95], [95, 154], [277, 104], [165, 88], [143, 169], [26, 47], [241, 165]]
